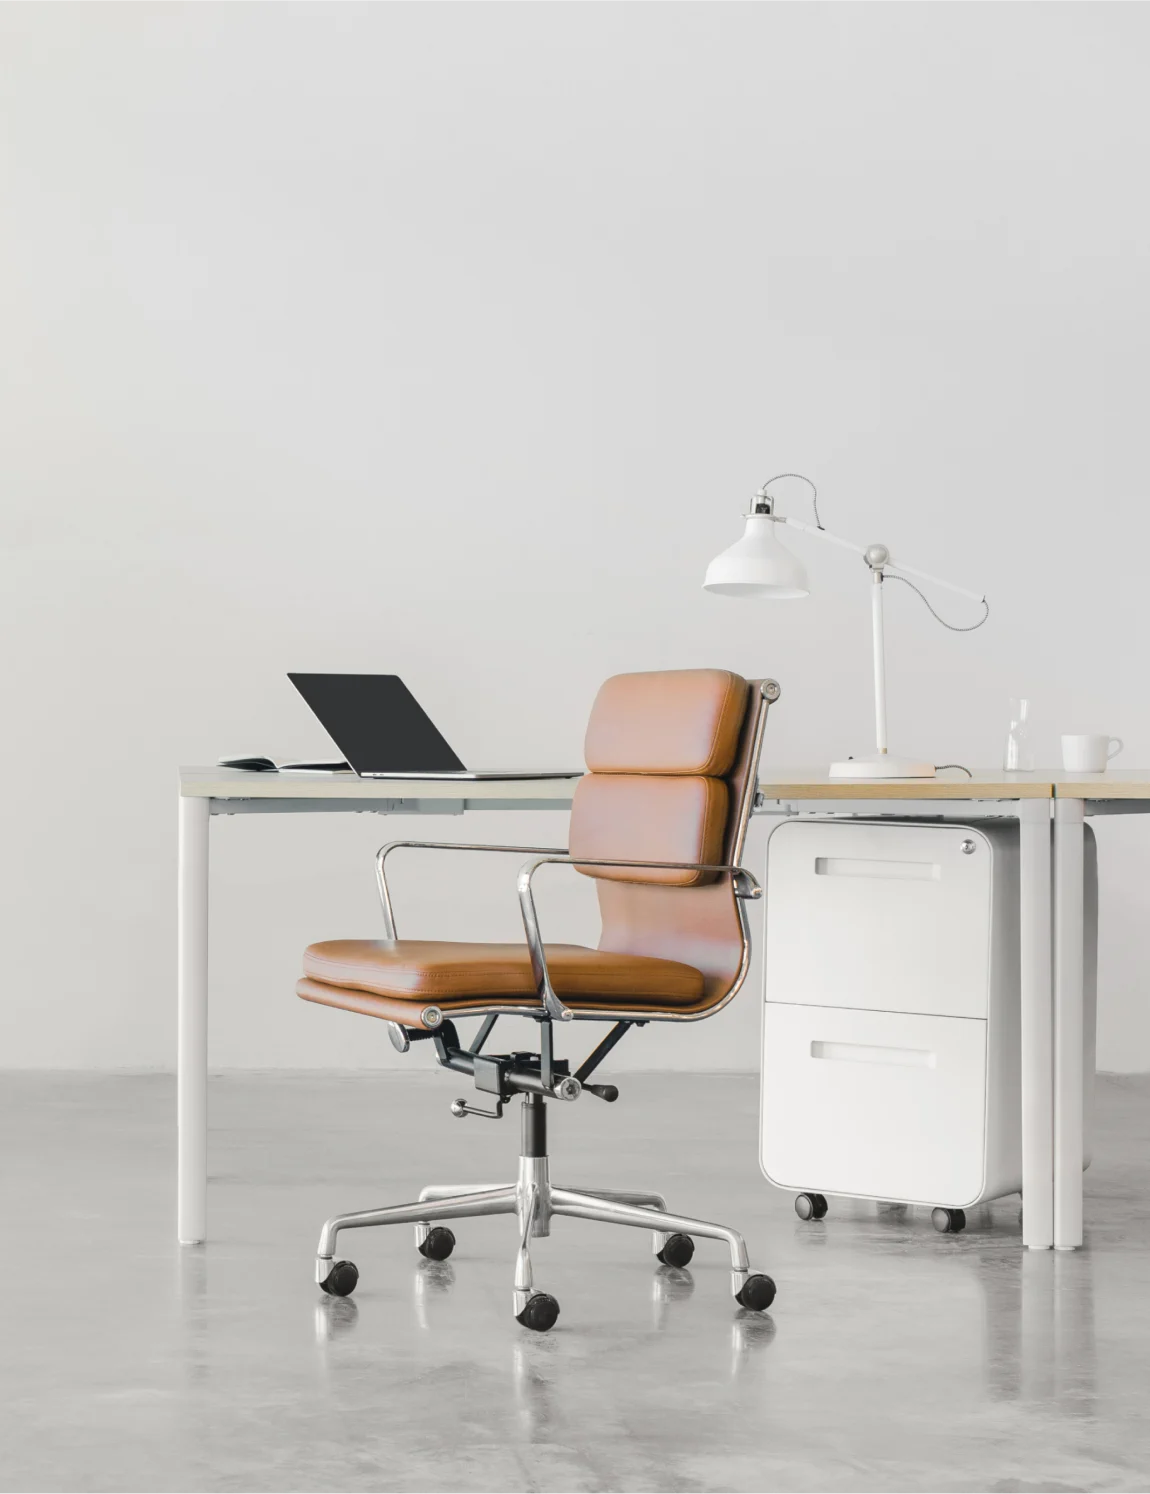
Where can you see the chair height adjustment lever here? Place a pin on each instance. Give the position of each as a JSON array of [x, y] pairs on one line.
[[608, 1092], [460, 1109]]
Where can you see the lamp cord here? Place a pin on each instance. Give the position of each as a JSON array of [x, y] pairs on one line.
[[814, 491], [954, 628]]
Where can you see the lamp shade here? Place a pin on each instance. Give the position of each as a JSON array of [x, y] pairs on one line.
[[757, 566]]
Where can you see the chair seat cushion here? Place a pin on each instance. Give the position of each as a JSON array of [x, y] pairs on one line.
[[429, 970]]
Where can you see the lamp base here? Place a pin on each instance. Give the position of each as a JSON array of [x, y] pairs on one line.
[[882, 765]]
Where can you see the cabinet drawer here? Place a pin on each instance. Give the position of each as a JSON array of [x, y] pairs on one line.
[[881, 1105], [890, 918]]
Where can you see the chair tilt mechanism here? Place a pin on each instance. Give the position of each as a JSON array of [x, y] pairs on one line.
[[659, 823]]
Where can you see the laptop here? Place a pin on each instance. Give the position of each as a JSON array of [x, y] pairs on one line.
[[383, 731]]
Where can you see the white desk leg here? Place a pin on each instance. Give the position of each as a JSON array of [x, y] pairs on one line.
[[1037, 1025], [1069, 853], [192, 1055]]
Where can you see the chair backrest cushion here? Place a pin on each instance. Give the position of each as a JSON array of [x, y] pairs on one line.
[[671, 722], [659, 749]]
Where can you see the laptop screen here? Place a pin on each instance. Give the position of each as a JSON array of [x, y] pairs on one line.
[[377, 723]]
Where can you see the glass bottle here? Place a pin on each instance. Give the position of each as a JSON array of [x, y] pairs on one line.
[[1018, 756]]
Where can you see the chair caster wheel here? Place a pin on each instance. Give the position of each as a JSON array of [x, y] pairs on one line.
[[948, 1221], [439, 1244], [540, 1312], [677, 1251], [340, 1280], [758, 1292], [811, 1206]]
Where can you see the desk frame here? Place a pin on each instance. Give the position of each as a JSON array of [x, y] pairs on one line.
[[1077, 796], [1050, 909]]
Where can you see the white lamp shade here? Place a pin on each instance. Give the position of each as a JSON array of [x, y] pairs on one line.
[[758, 566]]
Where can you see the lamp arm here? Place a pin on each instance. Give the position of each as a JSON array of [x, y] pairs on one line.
[[835, 539], [822, 534]]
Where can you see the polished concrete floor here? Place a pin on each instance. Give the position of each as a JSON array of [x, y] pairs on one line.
[[894, 1358]]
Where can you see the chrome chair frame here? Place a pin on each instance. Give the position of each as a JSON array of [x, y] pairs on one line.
[[746, 889], [534, 1201], [532, 1198]]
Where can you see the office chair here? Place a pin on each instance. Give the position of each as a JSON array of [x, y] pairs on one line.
[[659, 822]]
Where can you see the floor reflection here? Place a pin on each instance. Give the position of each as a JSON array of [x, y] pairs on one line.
[[751, 1333], [537, 1402], [1021, 1321], [669, 1284], [334, 1318], [1056, 1354], [431, 1280]]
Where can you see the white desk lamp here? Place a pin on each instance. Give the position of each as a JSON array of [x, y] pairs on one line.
[[759, 566]]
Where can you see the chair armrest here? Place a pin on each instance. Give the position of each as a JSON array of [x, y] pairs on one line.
[[745, 886], [436, 845]]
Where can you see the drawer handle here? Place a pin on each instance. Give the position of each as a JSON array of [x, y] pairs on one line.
[[894, 871], [911, 1058]]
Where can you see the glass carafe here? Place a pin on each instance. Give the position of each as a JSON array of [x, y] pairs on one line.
[[1018, 755]]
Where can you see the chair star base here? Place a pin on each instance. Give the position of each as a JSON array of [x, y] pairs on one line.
[[535, 1202]]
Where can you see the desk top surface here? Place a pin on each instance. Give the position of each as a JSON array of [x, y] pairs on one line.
[[951, 783], [1115, 783], [984, 783], [775, 783], [234, 783]]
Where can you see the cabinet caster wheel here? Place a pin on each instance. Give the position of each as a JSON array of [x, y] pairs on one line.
[[540, 1312], [758, 1292], [811, 1206], [340, 1280], [948, 1221], [677, 1251], [439, 1244]]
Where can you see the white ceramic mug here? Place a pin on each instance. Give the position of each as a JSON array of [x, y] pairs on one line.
[[1089, 754]]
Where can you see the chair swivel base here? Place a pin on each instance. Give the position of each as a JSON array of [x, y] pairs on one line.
[[535, 1202]]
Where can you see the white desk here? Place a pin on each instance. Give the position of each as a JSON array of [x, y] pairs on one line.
[[1051, 907]]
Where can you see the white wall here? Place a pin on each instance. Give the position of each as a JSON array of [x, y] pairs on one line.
[[452, 341]]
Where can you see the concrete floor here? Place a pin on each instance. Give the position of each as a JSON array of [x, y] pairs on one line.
[[894, 1358]]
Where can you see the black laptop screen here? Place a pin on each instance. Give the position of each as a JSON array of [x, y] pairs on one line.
[[377, 723]]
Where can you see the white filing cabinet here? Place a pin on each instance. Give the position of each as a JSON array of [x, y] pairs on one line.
[[891, 1018]]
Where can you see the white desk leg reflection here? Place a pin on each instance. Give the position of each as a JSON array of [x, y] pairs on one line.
[[1056, 1362], [191, 1290]]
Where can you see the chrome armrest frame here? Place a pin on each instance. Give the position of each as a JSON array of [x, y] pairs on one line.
[[437, 845], [745, 888], [744, 885]]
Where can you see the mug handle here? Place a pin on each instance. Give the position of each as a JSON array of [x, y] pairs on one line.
[[1116, 748]]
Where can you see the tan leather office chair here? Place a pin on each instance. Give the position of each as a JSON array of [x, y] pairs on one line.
[[659, 821]]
